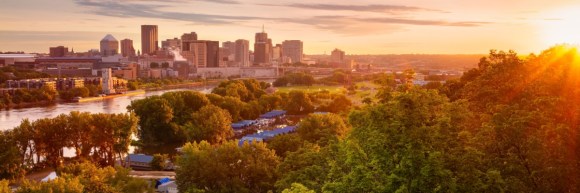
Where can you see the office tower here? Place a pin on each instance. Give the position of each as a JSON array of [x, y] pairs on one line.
[[242, 53], [149, 42], [293, 49], [198, 53], [229, 50], [187, 39], [337, 56], [59, 51], [277, 52], [109, 46], [213, 56], [171, 43], [127, 49], [262, 48]]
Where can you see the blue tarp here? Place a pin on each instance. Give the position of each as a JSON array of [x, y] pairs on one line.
[[242, 124], [273, 114], [162, 181], [266, 134]]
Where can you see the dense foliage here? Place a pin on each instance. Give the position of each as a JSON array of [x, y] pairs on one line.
[[87, 178], [100, 138], [20, 96]]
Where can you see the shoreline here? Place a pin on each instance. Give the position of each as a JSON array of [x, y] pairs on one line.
[[128, 93]]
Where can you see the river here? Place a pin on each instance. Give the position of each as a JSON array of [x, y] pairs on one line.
[[12, 118]]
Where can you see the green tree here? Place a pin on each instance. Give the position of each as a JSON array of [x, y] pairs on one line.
[[322, 129], [299, 103], [159, 162], [211, 124], [10, 159], [226, 167], [298, 188]]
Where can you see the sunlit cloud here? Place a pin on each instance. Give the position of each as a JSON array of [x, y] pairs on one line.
[[362, 8]]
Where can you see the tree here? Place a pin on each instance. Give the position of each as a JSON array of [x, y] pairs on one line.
[[284, 144], [339, 103], [154, 65], [322, 129], [10, 159], [226, 167], [281, 82], [159, 162], [4, 188], [165, 65], [299, 103], [298, 188], [211, 124]]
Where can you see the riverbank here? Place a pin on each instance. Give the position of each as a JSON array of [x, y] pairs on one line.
[[129, 93]]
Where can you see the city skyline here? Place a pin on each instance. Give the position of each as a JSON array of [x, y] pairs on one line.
[[367, 27]]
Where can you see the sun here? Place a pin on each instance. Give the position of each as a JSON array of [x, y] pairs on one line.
[[561, 26]]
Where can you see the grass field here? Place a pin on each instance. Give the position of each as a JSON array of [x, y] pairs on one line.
[[331, 89]]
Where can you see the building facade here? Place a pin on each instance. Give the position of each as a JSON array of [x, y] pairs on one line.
[[337, 56], [293, 49], [242, 54], [262, 49], [59, 51], [127, 49], [109, 46], [149, 39]]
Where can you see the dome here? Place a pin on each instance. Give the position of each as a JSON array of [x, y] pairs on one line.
[[109, 38]]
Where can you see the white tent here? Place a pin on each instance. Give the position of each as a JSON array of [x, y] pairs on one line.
[[50, 176]]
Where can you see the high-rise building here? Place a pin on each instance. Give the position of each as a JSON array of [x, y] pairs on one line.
[[277, 52], [293, 49], [242, 53], [171, 43], [213, 54], [262, 48], [198, 56], [109, 46], [149, 41], [187, 39], [127, 49], [229, 50], [337, 56], [59, 51]]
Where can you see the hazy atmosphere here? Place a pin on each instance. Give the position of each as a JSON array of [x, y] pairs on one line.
[[369, 27]]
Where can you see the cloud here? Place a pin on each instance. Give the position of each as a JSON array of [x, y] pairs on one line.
[[361, 8], [348, 25], [340, 24], [128, 9], [185, 1]]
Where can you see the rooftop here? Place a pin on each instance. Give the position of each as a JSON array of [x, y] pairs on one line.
[[109, 38]]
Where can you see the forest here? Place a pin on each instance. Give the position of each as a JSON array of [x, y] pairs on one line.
[[509, 125]]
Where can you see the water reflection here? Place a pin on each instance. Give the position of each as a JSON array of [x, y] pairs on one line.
[[12, 118]]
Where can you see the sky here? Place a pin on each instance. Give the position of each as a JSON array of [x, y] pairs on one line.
[[355, 26]]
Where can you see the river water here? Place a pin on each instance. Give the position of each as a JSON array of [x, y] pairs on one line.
[[12, 118]]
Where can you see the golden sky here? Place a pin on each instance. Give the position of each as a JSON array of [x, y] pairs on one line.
[[358, 27]]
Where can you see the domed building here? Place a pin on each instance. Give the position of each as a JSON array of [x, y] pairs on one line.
[[109, 46]]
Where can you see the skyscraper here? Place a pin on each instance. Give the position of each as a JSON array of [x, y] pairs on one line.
[[213, 56], [198, 53], [242, 53], [262, 48], [229, 49], [127, 49], [293, 49], [149, 42], [277, 52], [109, 46]]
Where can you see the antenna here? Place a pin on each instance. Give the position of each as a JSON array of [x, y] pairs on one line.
[[263, 31]]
